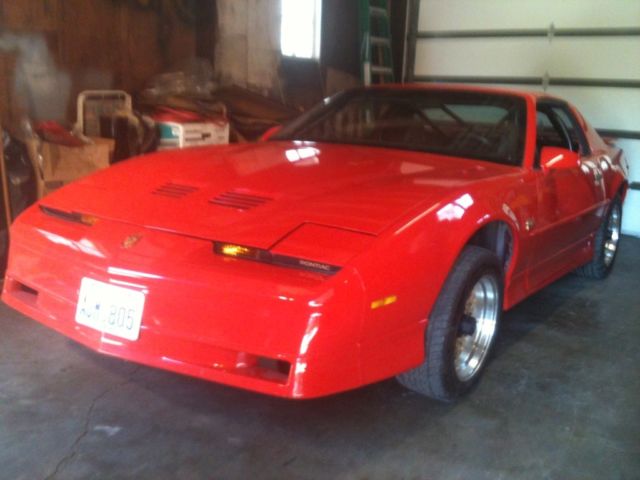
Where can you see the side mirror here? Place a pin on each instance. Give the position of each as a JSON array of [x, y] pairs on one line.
[[554, 158], [270, 133]]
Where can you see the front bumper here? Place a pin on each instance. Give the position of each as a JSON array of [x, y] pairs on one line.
[[269, 329]]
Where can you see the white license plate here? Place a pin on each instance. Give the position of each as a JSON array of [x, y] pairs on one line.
[[110, 309]]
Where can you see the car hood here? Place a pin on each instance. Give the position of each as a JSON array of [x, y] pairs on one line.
[[257, 193]]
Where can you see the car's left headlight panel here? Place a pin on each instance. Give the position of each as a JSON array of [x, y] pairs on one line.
[[317, 248], [265, 256]]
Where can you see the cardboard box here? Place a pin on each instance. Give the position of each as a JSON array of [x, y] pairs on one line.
[[60, 165]]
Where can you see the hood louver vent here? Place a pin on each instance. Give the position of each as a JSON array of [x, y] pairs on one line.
[[240, 201], [174, 190]]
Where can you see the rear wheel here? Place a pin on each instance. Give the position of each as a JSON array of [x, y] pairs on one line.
[[605, 244], [462, 328]]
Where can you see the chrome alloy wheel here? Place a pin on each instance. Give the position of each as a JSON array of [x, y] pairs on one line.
[[477, 328], [612, 235]]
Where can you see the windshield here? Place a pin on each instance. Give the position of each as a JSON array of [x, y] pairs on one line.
[[462, 124]]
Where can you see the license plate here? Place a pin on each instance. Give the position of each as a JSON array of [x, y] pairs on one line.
[[110, 309]]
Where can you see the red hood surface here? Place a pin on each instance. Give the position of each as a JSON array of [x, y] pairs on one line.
[[257, 193]]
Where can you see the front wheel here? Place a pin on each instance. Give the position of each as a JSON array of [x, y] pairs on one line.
[[462, 328]]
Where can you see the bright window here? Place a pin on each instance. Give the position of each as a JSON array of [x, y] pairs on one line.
[[300, 28]]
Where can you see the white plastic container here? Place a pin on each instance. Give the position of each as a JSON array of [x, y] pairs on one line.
[[192, 134]]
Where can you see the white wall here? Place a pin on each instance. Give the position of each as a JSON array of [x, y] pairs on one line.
[[248, 44], [494, 14], [616, 58]]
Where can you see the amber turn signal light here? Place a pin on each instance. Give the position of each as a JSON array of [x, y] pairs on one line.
[[76, 217], [237, 251], [234, 250]]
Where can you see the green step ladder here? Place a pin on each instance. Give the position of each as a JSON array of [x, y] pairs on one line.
[[375, 34]]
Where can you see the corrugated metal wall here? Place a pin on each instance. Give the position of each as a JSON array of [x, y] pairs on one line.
[[587, 51]]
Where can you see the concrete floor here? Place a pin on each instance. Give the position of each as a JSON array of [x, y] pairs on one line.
[[560, 400]]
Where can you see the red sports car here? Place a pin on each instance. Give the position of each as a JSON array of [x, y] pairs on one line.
[[382, 233]]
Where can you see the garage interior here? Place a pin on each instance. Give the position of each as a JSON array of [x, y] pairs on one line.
[[560, 399]]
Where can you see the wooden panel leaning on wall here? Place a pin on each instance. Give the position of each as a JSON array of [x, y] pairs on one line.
[[5, 214], [7, 62], [102, 44], [40, 16]]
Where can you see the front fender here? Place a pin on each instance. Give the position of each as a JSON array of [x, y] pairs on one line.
[[407, 266]]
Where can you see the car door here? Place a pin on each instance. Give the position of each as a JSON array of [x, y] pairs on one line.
[[569, 201]]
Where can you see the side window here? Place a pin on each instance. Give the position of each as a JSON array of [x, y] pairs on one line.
[[550, 132], [549, 135], [578, 142]]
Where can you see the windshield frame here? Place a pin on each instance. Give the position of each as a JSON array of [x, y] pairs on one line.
[[331, 105]]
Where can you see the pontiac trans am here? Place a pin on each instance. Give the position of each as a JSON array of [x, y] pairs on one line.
[[380, 234]]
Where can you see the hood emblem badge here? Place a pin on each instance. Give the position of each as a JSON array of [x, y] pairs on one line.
[[131, 240]]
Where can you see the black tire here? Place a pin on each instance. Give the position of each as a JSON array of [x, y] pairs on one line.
[[599, 267], [437, 377]]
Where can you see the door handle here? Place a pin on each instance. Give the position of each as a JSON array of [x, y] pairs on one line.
[[597, 175], [529, 224]]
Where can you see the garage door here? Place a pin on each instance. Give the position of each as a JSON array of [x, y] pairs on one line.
[[587, 51]]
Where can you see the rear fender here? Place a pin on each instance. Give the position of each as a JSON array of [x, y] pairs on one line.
[[618, 183]]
